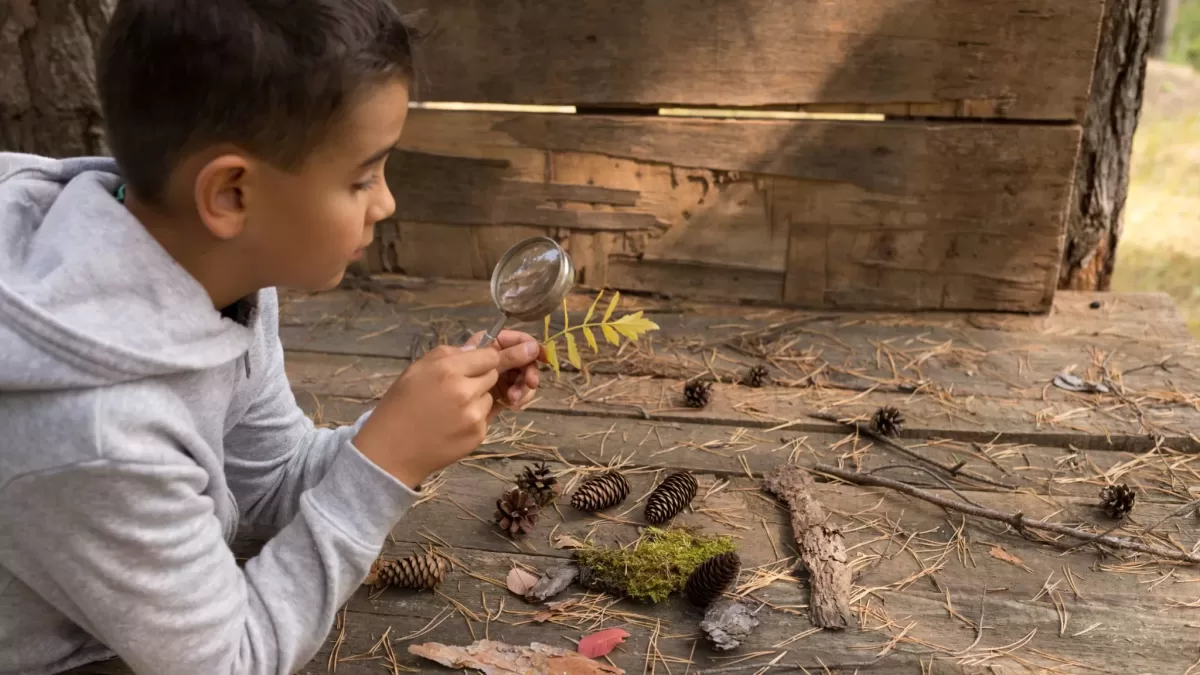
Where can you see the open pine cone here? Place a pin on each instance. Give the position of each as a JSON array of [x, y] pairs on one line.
[[887, 421], [710, 579], [1117, 500], [516, 512], [757, 376], [539, 483], [697, 393]]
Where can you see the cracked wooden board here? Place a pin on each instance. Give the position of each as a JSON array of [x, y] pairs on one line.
[[902, 59], [814, 213], [880, 527], [1103, 633], [1165, 475], [847, 351], [1059, 421], [1133, 317]]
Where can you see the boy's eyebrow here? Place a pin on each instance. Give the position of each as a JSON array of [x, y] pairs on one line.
[[378, 155]]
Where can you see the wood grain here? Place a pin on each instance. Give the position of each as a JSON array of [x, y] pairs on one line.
[[911, 564], [896, 215], [969, 58]]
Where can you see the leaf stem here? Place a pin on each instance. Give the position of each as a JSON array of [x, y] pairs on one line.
[[575, 328]]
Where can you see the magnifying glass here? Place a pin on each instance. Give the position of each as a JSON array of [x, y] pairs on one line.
[[530, 281]]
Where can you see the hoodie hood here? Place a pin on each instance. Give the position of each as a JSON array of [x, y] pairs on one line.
[[87, 297]]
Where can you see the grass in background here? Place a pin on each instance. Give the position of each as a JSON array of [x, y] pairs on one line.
[[1184, 45], [1160, 244]]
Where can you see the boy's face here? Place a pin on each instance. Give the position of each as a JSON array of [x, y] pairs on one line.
[[306, 226]]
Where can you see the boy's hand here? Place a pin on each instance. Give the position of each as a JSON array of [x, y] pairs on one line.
[[437, 411], [515, 386]]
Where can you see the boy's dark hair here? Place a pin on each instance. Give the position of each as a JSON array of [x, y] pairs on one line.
[[270, 76]]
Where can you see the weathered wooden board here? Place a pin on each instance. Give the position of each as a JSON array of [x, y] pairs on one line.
[[836, 351], [895, 215], [1162, 475], [970, 58], [1099, 635], [1135, 317], [952, 380]]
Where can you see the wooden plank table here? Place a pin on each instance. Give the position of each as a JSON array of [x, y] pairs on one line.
[[934, 591]]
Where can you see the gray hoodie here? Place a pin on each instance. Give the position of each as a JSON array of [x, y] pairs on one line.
[[138, 428]]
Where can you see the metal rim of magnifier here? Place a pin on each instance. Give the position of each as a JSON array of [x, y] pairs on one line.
[[566, 277]]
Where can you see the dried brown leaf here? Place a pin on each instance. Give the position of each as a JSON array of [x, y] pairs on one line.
[[520, 582], [1000, 554]]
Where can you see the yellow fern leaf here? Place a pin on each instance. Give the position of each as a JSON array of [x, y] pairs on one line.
[[612, 304], [591, 310], [552, 356], [573, 352], [591, 339], [610, 334], [546, 335], [633, 325]]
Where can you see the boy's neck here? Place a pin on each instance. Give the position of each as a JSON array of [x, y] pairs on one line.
[[194, 252]]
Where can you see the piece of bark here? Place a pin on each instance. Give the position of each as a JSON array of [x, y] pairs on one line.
[[554, 581], [499, 658], [822, 549], [727, 624]]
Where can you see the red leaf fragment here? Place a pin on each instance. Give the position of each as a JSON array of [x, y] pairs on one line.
[[601, 642]]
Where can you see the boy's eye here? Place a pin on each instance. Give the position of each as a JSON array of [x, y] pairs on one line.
[[366, 184]]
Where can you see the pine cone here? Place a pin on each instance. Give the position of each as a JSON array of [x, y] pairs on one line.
[[757, 376], [710, 579], [1117, 500], [887, 421], [539, 483], [420, 572], [516, 512], [697, 393], [670, 497], [602, 492]]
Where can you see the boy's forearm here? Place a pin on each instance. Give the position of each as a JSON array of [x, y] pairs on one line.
[[145, 568]]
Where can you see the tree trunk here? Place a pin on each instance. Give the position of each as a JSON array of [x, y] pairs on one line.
[[1102, 172], [48, 99], [1163, 28]]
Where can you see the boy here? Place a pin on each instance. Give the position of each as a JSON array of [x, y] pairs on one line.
[[144, 407]]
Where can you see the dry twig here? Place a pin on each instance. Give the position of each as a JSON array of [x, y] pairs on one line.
[[1017, 521]]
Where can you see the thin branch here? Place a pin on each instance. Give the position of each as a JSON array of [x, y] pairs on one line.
[[953, 471], [1017, 521]]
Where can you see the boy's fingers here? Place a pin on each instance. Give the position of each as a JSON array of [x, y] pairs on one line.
[[475, 362], [519, 355]]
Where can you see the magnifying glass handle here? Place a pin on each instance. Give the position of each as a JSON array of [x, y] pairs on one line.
[[494, 332]]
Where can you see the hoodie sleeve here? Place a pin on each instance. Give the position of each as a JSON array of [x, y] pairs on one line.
[[131, 549], [274, 452]]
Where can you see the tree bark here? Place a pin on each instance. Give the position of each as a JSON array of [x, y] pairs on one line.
[[48, 98], [1102, 170]]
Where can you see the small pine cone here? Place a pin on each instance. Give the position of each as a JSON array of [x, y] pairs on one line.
[[887, 421], [710, 579], [670, 497], [419, 572], [539, 483], [516, 512], [1117, 500], [697, 393], [757, 376], [602, 492]]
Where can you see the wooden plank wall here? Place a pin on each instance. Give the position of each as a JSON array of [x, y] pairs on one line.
[[950, 195]]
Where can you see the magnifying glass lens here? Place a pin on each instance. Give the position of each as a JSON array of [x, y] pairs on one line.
[[523, 282]]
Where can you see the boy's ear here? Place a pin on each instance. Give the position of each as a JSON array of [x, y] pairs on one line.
[[221, 194]]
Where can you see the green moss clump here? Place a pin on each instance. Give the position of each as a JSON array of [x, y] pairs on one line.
[[653, 566]]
